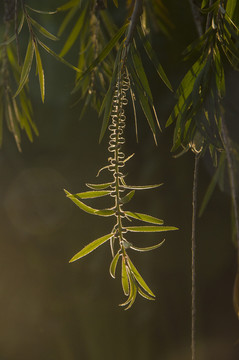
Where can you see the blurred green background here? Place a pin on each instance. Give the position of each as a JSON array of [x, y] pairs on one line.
[[50, 309]]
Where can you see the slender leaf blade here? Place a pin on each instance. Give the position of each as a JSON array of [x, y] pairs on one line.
[[144, 217], [91, 247], [92, 194], [114, 263], [150, 228], [40, 72], [139, 278], [148, 248], [26, 66]]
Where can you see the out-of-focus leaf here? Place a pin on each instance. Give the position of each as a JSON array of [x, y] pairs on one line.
[[90, 247], [104, 52], [68, 5], [66, 20], [148, 248], [74, 33], [127, 197], [150, 228], [40, 72], [153, 57], [41, 12], [92, 194], [213, 183], [13, 37], [116, 3], [140, 71], [57, 56], [139, 278], [114, 263], [42, 30], [144, 217], [26, 66]]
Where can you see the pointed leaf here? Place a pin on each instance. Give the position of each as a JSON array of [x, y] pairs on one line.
[[124, 278], [104, 52], [57, 56], [114, 263], [40, 72], [40, 11], [153, 57], [88, 209], [144, 217], [148, 248], [150, 228], [26, 66], [139, 278], [127, 197], [91, 194], [43, 31], [99, 186], [146, 296], [74, 33], [90, 247]]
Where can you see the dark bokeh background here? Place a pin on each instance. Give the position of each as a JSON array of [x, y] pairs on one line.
[[50, 309]]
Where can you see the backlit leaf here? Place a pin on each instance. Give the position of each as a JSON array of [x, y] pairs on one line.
[[150, 228], [114, 263], [42, 30], [124, 277], [148, 248], [91, 247], [127, 197], [40, 72], [99, 186], [92, 194], [144, 217], [26, 66], [139, 278]]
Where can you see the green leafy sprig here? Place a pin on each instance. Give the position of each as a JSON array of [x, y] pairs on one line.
[[132, 281]]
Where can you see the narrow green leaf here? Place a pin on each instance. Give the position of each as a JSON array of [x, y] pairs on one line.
[[114, 263], [91, 194], [74, 33], [144, 217], [150, 228], [66, 20], [68, 5], [116, 3], [90, 247], [139, 187], [146, 296], [143, 99], [40, 72], [139, 278], [124, 278], [26, 66], [57, 56], [41, 12], [99, 186], [88, 209], [127, 197], [213, 183], [140, 71], [105, 51], [13, 37], [148, 248], [42, 30], [153, 57]]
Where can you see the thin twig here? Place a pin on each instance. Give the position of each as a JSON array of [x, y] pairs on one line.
[[227, 145], [194, 216], [137, 12]]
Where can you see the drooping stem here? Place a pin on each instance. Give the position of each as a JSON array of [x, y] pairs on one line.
[[194, 216]]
